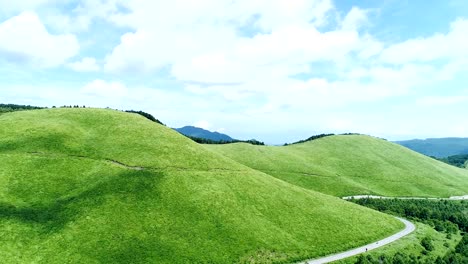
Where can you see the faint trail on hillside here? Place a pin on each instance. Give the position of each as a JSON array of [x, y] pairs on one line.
[[120, 164], [409, 228], [126, 166]]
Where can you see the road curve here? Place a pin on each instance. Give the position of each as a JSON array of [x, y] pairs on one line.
[[409, 228]]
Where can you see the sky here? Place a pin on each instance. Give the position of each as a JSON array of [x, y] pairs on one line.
[[274, 70]]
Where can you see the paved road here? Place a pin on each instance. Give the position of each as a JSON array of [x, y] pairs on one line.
[[409, 227]]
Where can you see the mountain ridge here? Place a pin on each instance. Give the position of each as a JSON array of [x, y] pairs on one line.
[[197, 132], [437, 147]]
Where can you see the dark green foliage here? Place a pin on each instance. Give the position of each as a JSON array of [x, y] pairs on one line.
[[149, 116], [318, 137], [457, 256], [444, 215], [462, 247], [209, 141], [398, 258], [362, 259], [5, 108], [456, 160], [427, 243], [310, 139], [460, 254]]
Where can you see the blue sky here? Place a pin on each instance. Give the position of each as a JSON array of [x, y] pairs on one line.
[[275, 70]]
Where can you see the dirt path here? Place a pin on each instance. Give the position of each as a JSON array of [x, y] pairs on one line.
[[409, 228]]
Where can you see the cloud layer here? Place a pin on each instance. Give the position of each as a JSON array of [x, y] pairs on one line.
[[240, 65], [24, 39]]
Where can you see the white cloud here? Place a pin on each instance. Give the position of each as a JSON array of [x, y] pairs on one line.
[[26, 40], [355, 19], [437, 101], [102, 88], [203, 124], [80, 16], [439, 46], [450, 70], [203, 43], [84, 65], [246, 63], [15, 6]]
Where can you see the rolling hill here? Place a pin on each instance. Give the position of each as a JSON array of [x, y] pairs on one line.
[[102, 186], [437, 147], [352, 164], [197, 132]]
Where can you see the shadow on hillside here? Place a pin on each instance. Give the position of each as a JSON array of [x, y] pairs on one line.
[[56, 142], [53, 217]]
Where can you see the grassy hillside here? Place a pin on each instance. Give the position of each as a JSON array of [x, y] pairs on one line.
[[353, 164], [101, 186]]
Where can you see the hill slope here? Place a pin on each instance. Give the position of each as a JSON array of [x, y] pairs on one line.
[[202, 133], [351, 165], [101, 186], [438, 147]]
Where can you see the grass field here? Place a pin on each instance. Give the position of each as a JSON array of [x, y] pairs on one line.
[[351, 165], [102, 186]]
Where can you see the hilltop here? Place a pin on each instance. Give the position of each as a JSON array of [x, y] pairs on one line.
[[347, 165], [437, 147], [102, 186]]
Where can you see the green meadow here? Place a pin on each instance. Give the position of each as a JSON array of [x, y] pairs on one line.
[[103, 186], [351, 165]]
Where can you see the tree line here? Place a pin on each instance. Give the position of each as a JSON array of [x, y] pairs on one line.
[[444, 216], [210, 141], [6, 108], [456, 160], [148, 116], [315, 137]]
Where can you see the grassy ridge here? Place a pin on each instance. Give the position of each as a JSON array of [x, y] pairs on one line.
[[101, 186], [351, 165]]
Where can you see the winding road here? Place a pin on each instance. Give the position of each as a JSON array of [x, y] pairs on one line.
[[409, 228]]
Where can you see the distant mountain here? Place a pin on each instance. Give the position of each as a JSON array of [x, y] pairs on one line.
[[438, 147], [197, 132]]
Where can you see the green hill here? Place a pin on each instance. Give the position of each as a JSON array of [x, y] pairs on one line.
[[102, 186], [351, 165]]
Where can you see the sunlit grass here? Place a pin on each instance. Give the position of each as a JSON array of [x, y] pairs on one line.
[[101, 186], [352, 164]]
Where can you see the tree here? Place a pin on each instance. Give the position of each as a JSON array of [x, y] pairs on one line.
[[148, 116], [426, 242]]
